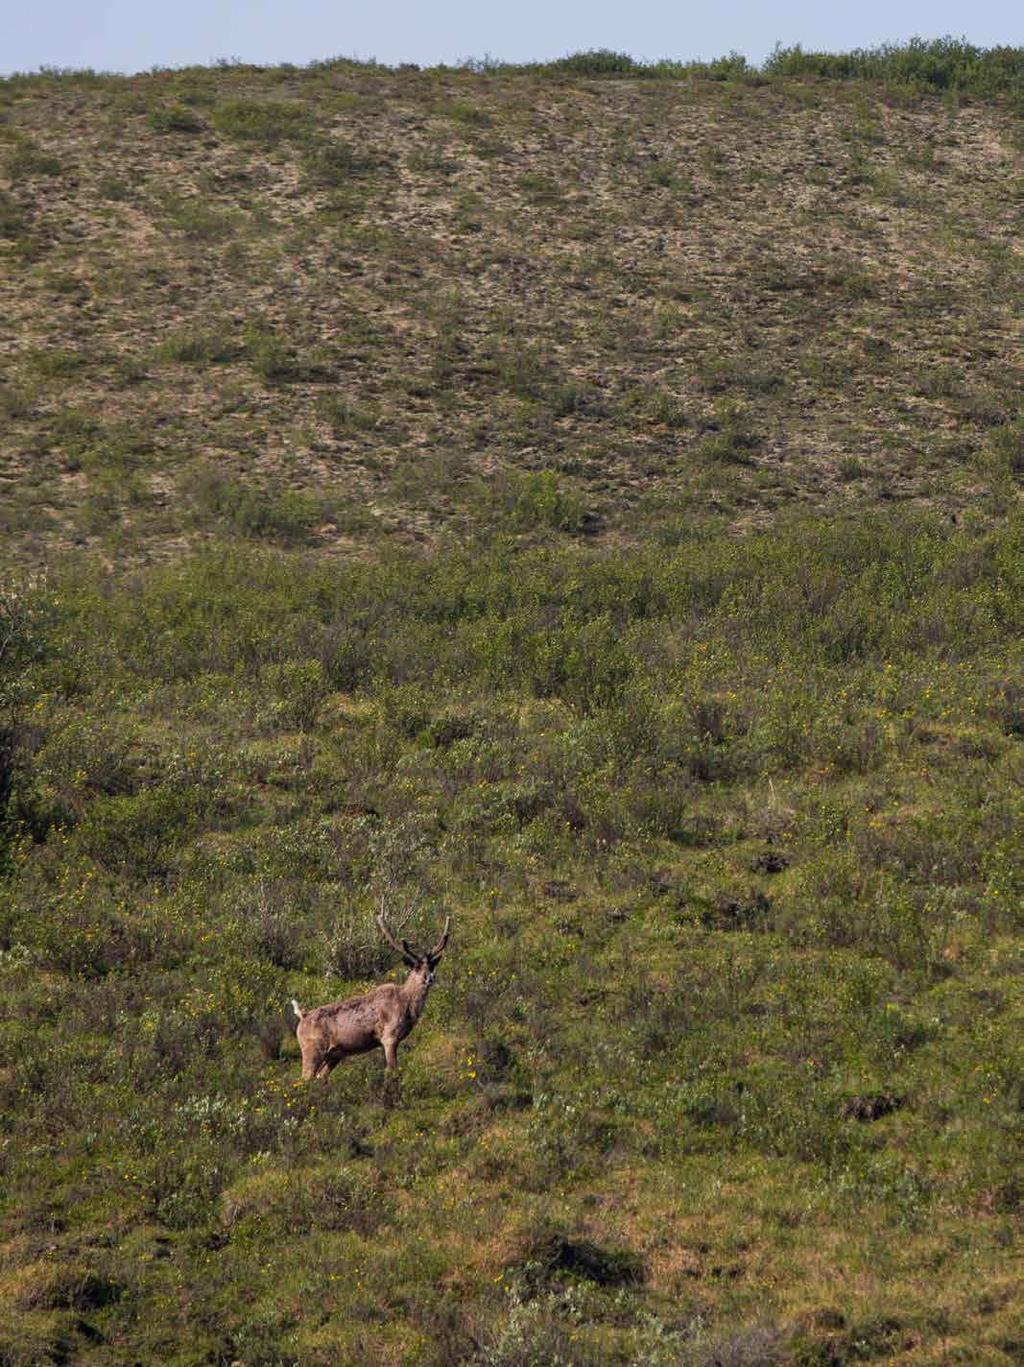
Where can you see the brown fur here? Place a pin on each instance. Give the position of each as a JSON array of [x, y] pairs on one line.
[[381, 1017]]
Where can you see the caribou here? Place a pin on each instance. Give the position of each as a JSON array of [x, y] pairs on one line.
[[380, 1018]]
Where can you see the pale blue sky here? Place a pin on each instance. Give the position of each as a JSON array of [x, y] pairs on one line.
[[134, 35]]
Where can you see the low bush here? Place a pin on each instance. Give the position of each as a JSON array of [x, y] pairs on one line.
[[263, 122], [174, 119]]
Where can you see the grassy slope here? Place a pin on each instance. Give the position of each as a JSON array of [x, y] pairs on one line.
[[533, 496]]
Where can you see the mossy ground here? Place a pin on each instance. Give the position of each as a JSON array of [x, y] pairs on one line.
[[590, 507]]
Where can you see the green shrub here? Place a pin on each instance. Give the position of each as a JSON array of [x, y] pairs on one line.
[[13, 221], [191, 215], [539, 190], [332, 162], [272, 357], [597, 62], [83, 928], [174, 119], [265, 123], [1007, 447], [198, 347], [298, 688], [14, 403], [733, 437], [249, 511], [115, 189], [941, 63], [139, 833], [539, 499], [659, 406], [314, 1198], [57, 364], [27, 160], [345, 418]]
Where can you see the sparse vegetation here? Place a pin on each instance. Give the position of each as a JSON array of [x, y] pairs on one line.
[[611, 538]]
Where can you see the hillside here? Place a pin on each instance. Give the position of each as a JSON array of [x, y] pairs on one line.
[[584, 500], [346, 305]]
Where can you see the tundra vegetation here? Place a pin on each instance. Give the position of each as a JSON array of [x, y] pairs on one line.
[[582, 499]]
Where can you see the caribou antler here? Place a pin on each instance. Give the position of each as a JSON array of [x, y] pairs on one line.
[[404, 948], [438, 949]]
